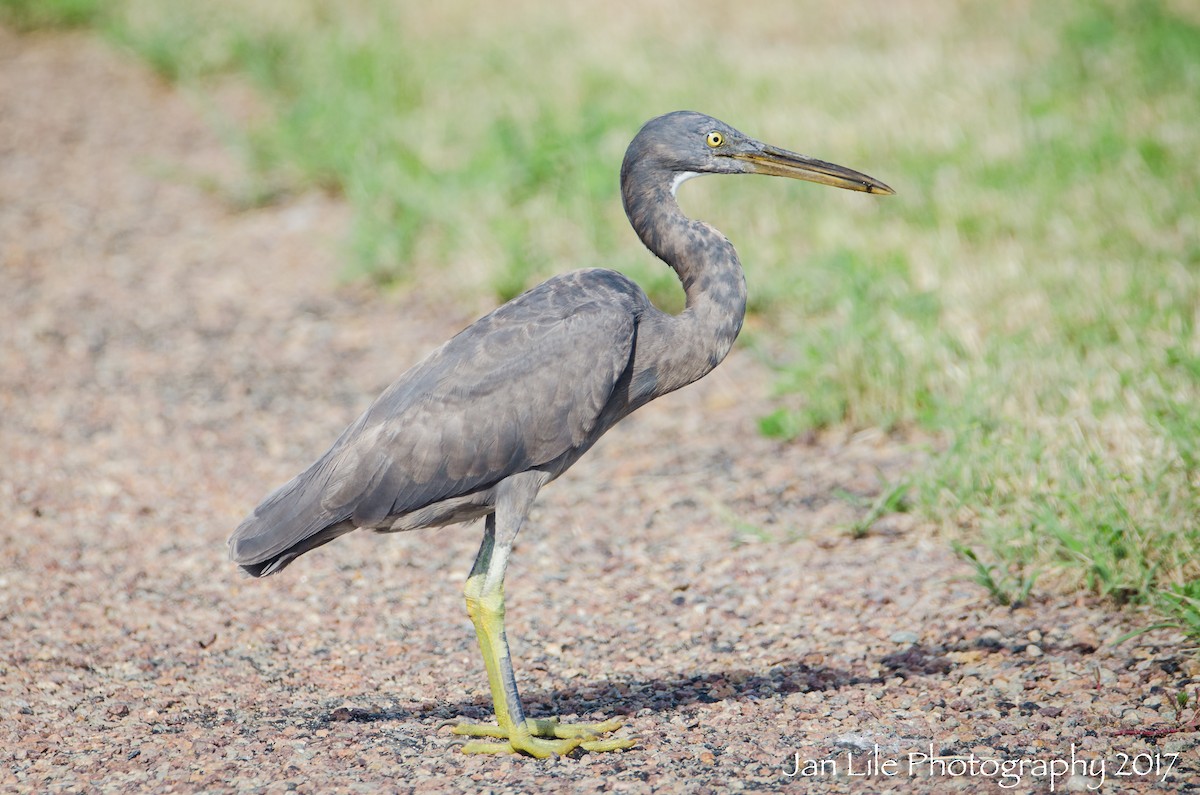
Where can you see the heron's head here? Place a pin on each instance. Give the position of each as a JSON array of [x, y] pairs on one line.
[[688, 144]]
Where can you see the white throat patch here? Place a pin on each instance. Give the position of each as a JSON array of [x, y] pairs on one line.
[[680, 178]]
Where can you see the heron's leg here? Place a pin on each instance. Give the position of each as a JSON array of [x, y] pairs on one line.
[[484, 593]]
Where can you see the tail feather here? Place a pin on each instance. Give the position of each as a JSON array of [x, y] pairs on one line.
[[279, 561], [288, 523]]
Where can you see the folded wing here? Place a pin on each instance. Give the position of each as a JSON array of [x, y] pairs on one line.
[[517, 390]]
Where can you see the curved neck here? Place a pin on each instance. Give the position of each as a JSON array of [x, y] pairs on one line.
[[696, 340]]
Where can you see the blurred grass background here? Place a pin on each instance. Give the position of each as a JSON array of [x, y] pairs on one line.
[[1031, 298]]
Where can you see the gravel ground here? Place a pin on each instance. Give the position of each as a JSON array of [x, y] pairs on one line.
[[165, 361]]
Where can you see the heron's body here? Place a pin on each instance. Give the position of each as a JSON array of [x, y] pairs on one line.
[[434, 446], [512, 401]]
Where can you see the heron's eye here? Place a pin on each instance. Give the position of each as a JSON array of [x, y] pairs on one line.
[[714, 139]]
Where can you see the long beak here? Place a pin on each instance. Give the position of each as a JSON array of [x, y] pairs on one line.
[[782, 163]]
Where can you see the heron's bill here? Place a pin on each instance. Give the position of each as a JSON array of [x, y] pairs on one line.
[[782, 163]]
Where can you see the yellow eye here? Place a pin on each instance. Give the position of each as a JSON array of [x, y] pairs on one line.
[[715, 139]]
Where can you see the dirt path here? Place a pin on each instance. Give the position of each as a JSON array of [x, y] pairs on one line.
[[165, 361]]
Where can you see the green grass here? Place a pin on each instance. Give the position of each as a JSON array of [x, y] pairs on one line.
[[1029, 298], [28, 15], [1006, 587]]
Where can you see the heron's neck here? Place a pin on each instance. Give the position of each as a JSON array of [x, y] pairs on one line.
[[696, 340]]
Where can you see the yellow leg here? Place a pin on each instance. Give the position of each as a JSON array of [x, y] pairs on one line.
[[539, 738]]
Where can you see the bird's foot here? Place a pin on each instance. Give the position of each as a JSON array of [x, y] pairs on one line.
[[541, 737]]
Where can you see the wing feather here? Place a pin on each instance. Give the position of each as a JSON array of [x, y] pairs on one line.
[[520, 388]]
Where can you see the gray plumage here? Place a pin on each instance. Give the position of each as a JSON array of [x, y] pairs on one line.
[[528, 387], [507, 405]]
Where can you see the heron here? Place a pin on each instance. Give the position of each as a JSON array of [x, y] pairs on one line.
[[480, 425]]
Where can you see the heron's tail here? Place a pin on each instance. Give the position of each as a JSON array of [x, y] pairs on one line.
[[288, 523]]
